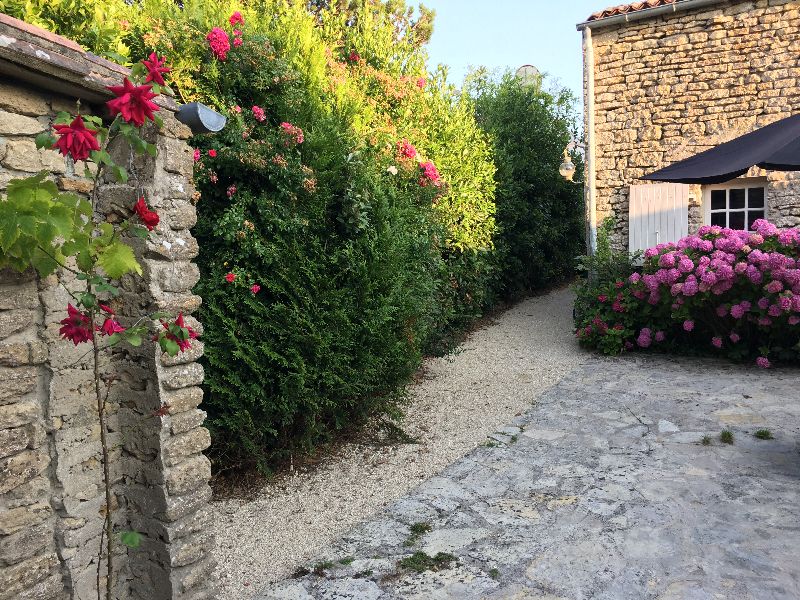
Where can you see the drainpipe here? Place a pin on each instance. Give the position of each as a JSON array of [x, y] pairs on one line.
[[591, 170]]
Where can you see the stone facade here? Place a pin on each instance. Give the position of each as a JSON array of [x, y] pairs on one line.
[[51, 493], [675, 84]]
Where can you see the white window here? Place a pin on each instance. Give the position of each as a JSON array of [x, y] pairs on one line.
[[736, 204]]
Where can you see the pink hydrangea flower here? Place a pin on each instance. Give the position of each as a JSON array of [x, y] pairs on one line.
[[763, 362], [645, 338], [660, 336], [688, 325], [734, 337], [716, 342]]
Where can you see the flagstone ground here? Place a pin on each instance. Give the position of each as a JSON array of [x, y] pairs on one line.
[[602, 490]]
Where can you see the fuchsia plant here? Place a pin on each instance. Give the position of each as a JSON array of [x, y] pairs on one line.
[[735, 292], [50, 230]]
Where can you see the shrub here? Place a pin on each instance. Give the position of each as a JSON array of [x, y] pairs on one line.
[[539, 214], [722, 291]]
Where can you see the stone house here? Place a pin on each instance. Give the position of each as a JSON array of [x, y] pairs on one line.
[[667, 79]]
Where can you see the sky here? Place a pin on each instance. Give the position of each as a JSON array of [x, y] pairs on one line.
[[510, 33]]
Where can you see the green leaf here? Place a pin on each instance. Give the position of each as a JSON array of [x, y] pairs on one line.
[[107, 288], [134, 339], [139, 231], [44, 264], [45, 140], [167, 345], [114, 339], [63, 117], [117, 259], [85, 262], [131, 539], [61, 217], [152, 150], [9, 232], [120, 174]]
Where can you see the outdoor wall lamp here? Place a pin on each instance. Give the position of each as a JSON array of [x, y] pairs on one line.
[[200, 118], [567, 168]]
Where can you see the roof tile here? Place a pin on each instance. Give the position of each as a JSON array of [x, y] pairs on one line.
[[624, 9]]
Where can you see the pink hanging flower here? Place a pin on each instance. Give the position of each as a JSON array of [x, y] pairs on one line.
[[219, 43], [77, 327], [110, 327]]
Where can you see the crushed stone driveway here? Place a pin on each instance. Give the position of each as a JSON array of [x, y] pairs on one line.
[[602, 490]]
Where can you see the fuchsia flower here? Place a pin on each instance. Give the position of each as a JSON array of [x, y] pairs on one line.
[[156, 67], [148, 217], [77, 327], [183, 345], [133, 102], [110, 327], [76, 140], [219, 43]]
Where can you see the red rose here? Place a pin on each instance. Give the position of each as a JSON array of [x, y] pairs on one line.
[[230, 277], [255, 288], [132, 102], [212, 153], [77, 327], [76, 140], [155, 68], [149, 218]]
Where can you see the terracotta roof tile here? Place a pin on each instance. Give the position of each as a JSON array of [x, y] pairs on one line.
[[629, 8]]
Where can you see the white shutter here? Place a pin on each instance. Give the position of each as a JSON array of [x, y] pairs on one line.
[[657, 213]]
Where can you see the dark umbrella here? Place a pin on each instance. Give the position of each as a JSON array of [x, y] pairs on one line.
[[775, 147]]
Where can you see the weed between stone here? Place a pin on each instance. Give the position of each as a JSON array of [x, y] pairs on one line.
[[764, 434], [420, 562], [726, 437], [706, 441], [417, 531]]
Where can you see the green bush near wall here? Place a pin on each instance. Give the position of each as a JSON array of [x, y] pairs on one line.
[[360, 265]]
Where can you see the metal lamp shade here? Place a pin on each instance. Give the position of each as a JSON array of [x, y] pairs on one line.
[[200, 118]]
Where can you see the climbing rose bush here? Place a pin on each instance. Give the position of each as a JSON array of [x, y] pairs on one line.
[[721, 291]]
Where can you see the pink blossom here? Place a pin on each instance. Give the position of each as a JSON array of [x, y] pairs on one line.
[[734, 337], [763, 362], [258, 113], [254, 289], [716, 342], [196, 154], [219, 43], [231, 191], [660, 336], [236, 19], [794, 320], [737, 311], [688, 325], [644, 340]]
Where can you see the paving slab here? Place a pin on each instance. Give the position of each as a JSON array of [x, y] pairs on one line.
[[603, 490]]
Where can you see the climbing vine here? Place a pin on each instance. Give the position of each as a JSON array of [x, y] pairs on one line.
[[47, 230]]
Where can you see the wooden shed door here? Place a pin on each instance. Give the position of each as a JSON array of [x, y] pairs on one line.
[[657, 213]]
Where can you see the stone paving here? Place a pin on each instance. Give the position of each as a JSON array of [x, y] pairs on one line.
[[603, 490]]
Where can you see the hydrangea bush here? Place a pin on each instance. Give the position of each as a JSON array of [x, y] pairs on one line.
[[721, 291]]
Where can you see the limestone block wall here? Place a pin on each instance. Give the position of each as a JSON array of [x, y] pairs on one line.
[[671, 86], [51, 492]]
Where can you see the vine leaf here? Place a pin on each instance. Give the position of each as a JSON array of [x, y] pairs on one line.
[[132, 539], [117, 259]]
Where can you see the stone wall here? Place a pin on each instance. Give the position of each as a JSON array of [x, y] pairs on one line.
[[671, 86], [51, 492]]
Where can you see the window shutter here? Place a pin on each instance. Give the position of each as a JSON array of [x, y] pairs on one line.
[[657, 213]]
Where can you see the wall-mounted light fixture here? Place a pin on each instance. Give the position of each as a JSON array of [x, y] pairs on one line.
[[567, 167], [200, 118]]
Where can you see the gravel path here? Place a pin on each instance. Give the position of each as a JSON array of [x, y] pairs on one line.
[[494, 376]]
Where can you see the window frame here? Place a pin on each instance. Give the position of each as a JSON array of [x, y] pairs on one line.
[[743, 183]]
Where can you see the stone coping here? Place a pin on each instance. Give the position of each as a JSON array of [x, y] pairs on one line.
[[56, 63]]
